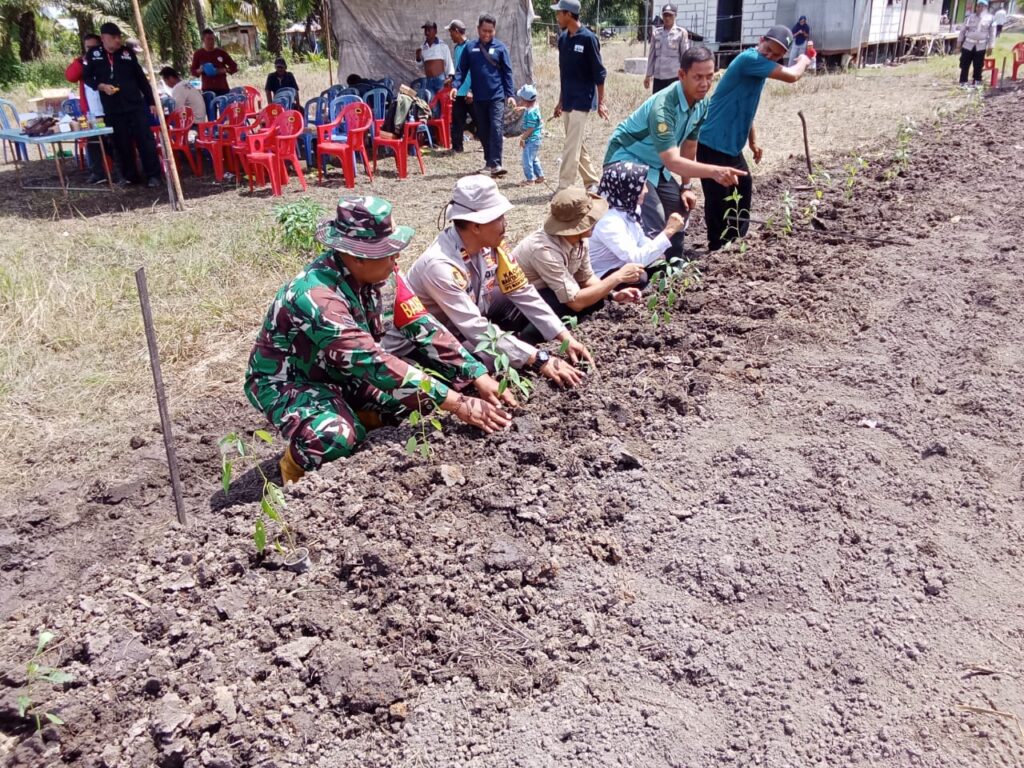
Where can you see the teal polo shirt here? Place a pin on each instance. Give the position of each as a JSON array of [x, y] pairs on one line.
[[664, 121], [734, 103]]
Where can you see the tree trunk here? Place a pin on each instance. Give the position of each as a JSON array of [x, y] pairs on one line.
[[181, 56], [30, 48], [86, 23], [272, 16], [197, 6]]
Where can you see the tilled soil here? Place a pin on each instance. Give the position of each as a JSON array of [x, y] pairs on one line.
[[784, 529]]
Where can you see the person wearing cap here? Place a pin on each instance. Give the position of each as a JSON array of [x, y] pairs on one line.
[[92, 106], [581, 76], [468, 280], [976, 39], [556, 258], [184, 94], [801, 34], [487, 61], [529, 142], [462, 99], [280, 78], [318, 371], [438, 68], [999, 18], [730, 125], [668, 45], [128, 101], [213, 65], [662, 134]]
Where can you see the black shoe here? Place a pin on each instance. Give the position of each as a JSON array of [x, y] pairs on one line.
[[154, 183]]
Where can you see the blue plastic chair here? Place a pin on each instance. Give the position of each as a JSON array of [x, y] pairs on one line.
[[315, 112], [333, 92], [378, 99], [347, 92], [211, 110], [428, 96], [339, 102], [285, 98], [10, 120]]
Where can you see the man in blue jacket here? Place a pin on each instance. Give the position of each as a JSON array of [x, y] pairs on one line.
[[581, 75], [486, 59]]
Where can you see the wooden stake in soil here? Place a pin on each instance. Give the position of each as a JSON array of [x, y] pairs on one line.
[[327, 37], [807, 146], [176, 198], [161, 397]]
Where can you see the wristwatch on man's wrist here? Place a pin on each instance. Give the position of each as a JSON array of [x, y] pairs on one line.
[[539, 360], [688, 186]]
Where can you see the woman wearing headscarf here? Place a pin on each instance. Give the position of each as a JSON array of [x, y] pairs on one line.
[[619, 236]]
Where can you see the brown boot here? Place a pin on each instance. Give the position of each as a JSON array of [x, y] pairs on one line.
[[291, 472], [370, 419]]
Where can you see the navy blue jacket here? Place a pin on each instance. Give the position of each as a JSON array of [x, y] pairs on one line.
[[581, 70], [489, 83]]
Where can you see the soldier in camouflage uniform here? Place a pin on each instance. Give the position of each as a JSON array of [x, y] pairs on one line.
[[317, 370]]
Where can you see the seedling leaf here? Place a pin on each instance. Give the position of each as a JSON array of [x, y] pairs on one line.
[[24, 702], [53, 718], [411, 444], [263, 435], [269, 511], [58, 677], [259, 536], [44, 640]]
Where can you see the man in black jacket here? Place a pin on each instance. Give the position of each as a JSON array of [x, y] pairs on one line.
[[113, 70]]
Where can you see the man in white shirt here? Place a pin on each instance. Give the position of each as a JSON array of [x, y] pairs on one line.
[[1000, 18], [438, 67], [977, 36], [183, 94]]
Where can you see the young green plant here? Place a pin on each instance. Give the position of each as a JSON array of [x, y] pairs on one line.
[[507, 376], [234, 449], [298, 222], [419, 441], [672, 279], [853, 168], [734, 215], [37, 673], [572, 323]]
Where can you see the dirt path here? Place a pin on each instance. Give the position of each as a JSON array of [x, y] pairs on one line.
[[779, 531]]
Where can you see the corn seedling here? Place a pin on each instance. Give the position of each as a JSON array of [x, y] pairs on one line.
[[673, 278], [419, 440], [37, 673], [298, 222], [234, 449], [507, 376], [572, 323], [852, 168]]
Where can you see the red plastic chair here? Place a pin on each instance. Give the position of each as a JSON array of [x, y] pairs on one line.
[[179, 123], [253, 99], [217, 136], [1018, 58], [442, 102], [288, 127], [254, 124], [357, 119], [261, 157], [401, 147], [990, 64]]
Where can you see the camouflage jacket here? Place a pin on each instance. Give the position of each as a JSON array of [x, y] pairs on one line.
[[322, 328]]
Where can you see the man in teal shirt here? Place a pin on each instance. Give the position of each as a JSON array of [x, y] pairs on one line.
[[662, 134], [730, 125], [462, 117]]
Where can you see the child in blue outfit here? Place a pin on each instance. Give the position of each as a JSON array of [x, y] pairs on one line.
[[533, 123]]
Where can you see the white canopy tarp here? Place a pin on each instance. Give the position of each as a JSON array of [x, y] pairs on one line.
[[379, 39]]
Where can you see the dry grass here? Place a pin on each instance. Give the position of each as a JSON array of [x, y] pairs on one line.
[[74, 377]]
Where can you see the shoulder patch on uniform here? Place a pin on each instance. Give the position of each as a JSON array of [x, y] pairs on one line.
[[459, 278]]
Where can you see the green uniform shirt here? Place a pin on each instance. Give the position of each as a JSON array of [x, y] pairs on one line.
[[664, 121]]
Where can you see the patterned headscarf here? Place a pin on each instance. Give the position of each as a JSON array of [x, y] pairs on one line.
[[621, 185]]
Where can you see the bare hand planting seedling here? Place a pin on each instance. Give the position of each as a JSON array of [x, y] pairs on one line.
[[37, 673]]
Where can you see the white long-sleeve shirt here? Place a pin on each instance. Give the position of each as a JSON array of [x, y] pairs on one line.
[[618, 240], [438, 50], [978, 32]]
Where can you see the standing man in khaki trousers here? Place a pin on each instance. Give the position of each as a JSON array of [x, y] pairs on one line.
[[582, 76]]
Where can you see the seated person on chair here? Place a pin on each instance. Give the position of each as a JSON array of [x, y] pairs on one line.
[[318, 371], [468, 281], [183, 94], [556, 259], [280, 78]]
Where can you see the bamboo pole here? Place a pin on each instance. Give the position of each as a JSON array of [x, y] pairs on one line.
[[173, 192], [327, 37], [161, 395]]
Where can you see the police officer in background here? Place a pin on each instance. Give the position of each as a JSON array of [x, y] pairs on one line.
[[668, 45], [114, 71]]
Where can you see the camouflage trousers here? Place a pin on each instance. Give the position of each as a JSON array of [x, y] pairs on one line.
[[322, 422]]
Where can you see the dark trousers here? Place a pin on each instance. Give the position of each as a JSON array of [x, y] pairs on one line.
[[507, 316], [564, 310], [716, 208], [660, 85], [967, 58], [461, 112], [661, 202], [490, 115], [131, 131]]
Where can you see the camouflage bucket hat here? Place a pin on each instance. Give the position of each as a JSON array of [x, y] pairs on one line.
[[363, 228]]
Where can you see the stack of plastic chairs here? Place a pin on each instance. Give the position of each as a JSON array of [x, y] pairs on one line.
[[285, 97], [270, 150], [345, 138], [316, 112]]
